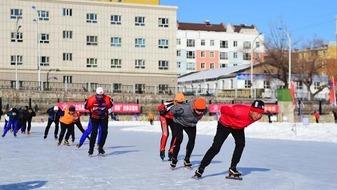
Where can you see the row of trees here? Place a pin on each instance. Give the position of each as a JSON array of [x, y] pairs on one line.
[[310, 61]]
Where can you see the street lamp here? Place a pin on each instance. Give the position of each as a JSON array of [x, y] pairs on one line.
[[48, 78], [251, 66], [38, 47], [289, 51], [17, 27]]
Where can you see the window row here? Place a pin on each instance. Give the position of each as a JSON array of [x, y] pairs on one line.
[[91, 40], [43, 15], [92, 62], [223, 43], [222, 55]]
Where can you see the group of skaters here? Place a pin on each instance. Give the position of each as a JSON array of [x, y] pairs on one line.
[[180, 115], [18, 119]]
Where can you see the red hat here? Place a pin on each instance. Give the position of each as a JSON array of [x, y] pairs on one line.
[[199, 104], [257, 106]]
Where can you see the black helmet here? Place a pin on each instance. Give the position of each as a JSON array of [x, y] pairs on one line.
[[257, 106]]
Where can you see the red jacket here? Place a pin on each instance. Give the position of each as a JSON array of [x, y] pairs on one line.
[[162, 109], [98, 109], [236, 116]]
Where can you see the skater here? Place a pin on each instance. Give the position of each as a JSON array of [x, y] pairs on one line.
[[13, 119], [98, 106], [78, 123], [86, 134], [23, 117], [233, 120], [166, 120], [67, 118], [53, 116], [31, 114], [186, 117]]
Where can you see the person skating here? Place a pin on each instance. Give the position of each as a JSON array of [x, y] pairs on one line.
[[53, 117], [86, 134], [98, 106], [166, 120], [67, 118], [31, 114], [186, 117], [233, 120], [78, 123], [13, 119], [23, 117]]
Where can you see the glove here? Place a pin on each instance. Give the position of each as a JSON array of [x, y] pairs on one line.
[[163, 112]]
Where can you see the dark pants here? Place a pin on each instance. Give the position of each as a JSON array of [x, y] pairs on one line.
[[221, 135], [64, 127], [29, 124], [80, 127], [178, 132], [104, 126], [48, 126]]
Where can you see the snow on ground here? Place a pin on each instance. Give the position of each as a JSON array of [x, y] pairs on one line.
[[276, 156]]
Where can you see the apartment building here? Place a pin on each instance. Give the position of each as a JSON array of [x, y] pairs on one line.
[[204, 46], [120, 43]]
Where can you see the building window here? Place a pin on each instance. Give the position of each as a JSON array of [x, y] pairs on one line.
[[317, 85], [117, 87], [139, 64], [139, 42], [190, 54], [231, 85], [16, 13], [44, 38], [299, 85], [211, 66], [178, 64], [67, 12], [67, 56], [248, 84], [211, 42], [178, 53], [203, 65], [67, 34], [235, 44], [202, 54], [162, 43], [163, 22], [223, 44], [257, 44], [16, 59], [92, 40], [116, 19], [211, 54], [178, 41], [43, 15], [139, 88], [91, 62], [235, 55], [266, 84], [140, 21], [16, 37], [91, 18], [44, 61], [202, 43], [224, 55], [190, 43], [190, 66], [116, 63], [246, 56], [116, 42], [163, 65], [163, 89], [67, 79], [247, 45], [223, 65]]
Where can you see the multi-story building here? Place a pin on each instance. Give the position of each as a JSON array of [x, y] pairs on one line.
[[204, 46], [128, 45]]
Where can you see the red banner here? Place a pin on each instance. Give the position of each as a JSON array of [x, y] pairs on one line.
[[272, 108], [117, 108]]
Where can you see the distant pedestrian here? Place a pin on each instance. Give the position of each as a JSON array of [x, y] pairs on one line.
[[31, 114], [316, 115], [151, 117]]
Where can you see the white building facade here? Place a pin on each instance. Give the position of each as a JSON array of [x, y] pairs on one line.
[[127, 47]]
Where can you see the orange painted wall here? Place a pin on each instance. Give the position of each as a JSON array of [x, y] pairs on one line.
[[207, 60]]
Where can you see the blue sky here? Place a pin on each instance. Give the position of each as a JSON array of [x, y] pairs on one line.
[[304, 19]]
